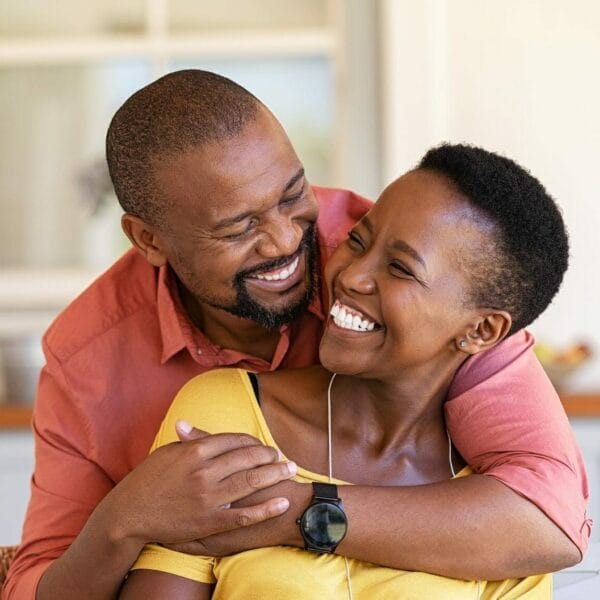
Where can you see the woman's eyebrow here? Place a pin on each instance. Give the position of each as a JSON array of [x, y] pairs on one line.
[[402, 246]]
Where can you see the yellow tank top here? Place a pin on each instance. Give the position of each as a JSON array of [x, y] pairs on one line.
[[223, 401]]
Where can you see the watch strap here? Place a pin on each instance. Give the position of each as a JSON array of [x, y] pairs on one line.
[[325, 491]]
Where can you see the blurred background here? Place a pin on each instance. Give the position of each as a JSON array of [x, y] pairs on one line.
[[363, 88]]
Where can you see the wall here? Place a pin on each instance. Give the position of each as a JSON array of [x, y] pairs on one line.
[[516, 76]]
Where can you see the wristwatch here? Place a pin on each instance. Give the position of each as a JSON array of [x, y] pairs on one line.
[[323, 524]]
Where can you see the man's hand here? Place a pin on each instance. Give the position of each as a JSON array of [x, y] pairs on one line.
[[280, 531], [183, 491]]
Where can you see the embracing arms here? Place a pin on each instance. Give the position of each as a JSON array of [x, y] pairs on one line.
[[475, 527], [82, 533]]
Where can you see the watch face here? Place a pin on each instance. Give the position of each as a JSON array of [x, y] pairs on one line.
[[324, 525]]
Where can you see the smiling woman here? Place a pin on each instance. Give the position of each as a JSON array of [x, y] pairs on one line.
[[407, 288]]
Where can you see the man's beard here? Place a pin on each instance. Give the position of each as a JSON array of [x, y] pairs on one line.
[[248, 308]]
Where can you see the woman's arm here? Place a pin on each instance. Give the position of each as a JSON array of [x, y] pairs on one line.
[[143, 584]]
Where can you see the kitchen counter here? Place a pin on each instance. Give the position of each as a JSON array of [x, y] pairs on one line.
[[15, 416]]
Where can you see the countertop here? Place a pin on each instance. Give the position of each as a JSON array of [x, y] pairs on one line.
[[15, 416]]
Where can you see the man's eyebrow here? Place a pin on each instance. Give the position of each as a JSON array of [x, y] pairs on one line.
[[248, 213], [400, 245], [290, 184]]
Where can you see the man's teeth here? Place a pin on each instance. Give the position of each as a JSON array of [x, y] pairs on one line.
[[349, 318], [280, 275]]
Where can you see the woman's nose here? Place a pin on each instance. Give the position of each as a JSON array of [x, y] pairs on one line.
[[358, 276]]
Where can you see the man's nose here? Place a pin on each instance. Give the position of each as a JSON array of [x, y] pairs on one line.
[[280, 236]]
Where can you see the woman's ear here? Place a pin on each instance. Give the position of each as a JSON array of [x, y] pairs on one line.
[[489, 329], [145, 239]]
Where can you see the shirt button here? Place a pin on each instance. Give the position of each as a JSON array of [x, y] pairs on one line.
[[199, 351]]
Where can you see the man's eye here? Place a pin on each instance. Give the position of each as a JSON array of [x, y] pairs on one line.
[[292, 199], [399, 269], [238, 235]]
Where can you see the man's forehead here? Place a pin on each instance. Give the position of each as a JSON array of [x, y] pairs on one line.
[[224, 178]]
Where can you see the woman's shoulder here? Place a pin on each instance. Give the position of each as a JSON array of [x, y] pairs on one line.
[[216, 401]]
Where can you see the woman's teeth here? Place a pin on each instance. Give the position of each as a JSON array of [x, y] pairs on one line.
[[279, 275], [348, 318]]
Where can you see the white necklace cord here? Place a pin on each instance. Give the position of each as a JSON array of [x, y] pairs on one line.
[[330, 473], [454, 475], [330, 460], [450, 454], [329, 428]]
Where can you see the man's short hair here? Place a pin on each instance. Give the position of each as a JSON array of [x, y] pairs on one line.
[[523, 270], [176, 113]]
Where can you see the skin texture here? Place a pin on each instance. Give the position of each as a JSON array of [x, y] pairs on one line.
[[400, 268]]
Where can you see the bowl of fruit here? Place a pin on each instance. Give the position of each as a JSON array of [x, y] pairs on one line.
[[561, 363]]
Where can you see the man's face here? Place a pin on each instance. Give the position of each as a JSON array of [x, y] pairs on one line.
[[239, 227]]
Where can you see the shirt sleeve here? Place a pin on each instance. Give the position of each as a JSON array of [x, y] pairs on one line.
[[507, 421], [65, 487], [158, 558]]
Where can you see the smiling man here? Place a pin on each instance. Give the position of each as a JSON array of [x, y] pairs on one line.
[[229, 244]]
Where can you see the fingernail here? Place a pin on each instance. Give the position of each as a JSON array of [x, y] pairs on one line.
[[292, 467], [282, 504], [183, 425]]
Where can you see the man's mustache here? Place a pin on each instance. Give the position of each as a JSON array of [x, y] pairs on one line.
[[278, 262], [271, 265]]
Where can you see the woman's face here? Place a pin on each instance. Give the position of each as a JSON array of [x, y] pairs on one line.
[[399, 284]]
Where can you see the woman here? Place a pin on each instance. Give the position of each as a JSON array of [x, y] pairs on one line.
[[456, 255]]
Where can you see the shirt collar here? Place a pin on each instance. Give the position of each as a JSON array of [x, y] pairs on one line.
[[173, 328]]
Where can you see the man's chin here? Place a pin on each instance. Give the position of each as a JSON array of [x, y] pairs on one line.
[[274, 314]]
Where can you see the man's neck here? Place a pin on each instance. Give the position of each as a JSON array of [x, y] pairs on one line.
[[228, 331]]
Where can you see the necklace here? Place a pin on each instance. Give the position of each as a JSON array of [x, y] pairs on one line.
[[330, 473]]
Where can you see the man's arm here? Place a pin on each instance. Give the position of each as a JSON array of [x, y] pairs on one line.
[[80, 538], [526, 517]]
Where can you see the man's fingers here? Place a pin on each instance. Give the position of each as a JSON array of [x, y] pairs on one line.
[[233, 518], [187, 432], [243, 483], [213, 445]]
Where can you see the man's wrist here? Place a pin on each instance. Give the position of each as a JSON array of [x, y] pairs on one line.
[[300, 497], [116, 521]]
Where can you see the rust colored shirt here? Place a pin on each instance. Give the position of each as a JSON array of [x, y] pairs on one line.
[[118, 354]]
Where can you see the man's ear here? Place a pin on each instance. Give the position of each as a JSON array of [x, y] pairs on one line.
[[145, 239], [489, 329]]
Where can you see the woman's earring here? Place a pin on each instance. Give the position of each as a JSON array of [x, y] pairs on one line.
[[462, 343]]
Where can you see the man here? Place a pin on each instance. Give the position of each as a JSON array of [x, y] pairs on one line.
[[229, 241]]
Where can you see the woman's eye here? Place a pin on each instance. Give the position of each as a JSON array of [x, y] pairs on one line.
[[354, 241]]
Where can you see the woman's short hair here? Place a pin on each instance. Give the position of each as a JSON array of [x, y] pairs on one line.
[[524, 267]]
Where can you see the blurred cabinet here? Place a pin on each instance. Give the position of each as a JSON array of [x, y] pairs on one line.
[[587, 432], [16, 466], [65, 67]]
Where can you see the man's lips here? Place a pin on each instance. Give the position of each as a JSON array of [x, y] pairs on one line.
[[282, 278]]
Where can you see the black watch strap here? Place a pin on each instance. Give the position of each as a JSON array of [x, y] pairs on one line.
[[325, 491]]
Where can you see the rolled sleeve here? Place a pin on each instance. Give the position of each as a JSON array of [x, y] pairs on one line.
[[507, 421]]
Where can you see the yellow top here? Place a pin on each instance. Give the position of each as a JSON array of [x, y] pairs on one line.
[[222, 401]]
